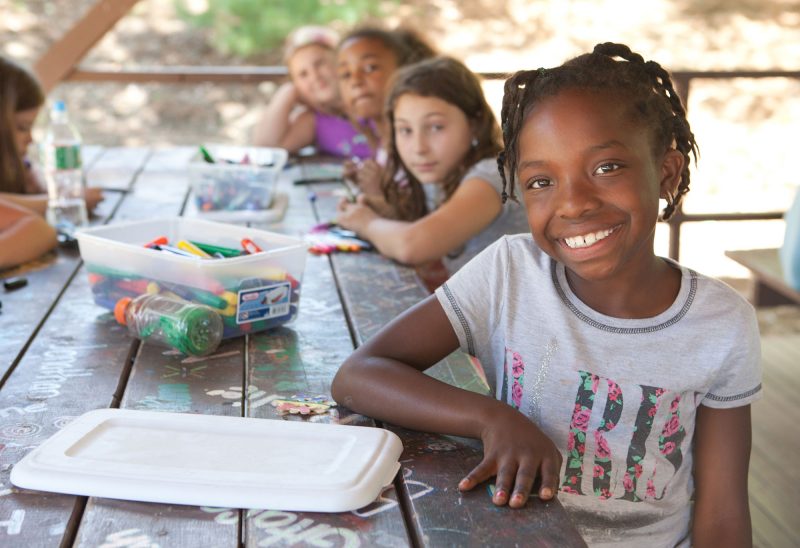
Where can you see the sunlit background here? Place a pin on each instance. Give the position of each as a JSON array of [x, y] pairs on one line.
[[746, 128]]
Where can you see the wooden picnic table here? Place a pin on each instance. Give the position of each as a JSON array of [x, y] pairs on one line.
[[771, 287], [61, 355]]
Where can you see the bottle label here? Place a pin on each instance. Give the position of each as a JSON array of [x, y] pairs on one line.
[[67, 157], [263, 303]]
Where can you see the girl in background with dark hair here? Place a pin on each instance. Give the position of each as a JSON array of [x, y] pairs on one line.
[[367, 57]]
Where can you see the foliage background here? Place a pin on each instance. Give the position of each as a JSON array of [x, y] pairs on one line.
[[746, 128]]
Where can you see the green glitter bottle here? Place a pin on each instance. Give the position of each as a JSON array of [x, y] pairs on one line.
[[193, 329]]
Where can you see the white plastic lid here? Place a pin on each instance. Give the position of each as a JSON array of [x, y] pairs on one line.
[[210, 460]]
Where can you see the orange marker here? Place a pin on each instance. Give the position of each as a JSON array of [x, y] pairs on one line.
[[161, 240], [250, 246]]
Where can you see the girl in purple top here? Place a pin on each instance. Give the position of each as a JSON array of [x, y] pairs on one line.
[[308, 110]]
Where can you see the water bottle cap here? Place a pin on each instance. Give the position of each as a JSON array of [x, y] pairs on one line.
[[119, 310], [59, 106]]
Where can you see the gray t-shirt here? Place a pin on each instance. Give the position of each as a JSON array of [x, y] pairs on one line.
[[618, 397], [511, 220]]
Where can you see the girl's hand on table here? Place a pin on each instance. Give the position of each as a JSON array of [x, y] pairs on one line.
[[356, 215], [517, 452]]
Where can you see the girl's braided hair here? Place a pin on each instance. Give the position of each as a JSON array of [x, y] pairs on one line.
[[646, 85]]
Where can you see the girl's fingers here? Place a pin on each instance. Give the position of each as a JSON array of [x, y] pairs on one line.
[[504, 483], [549, 486], [480, 473], [522, 486]]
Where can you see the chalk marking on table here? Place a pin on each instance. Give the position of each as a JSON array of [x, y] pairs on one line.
[[195, 359], [13, 524], [171, 397], [129, 538], [56, 369], [253, 392], [183, 371], [37, 407], [284, 527]]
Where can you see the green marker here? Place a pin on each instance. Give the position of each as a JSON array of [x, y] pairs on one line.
[[207, 155], [211, 249]]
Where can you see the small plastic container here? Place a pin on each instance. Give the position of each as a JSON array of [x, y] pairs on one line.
[[239, 186], [251, 292], [191, 328]]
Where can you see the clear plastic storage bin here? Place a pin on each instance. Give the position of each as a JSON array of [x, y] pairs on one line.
[[239, 185], [252, 292]]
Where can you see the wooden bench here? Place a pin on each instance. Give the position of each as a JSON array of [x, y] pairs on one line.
[[771, 287]]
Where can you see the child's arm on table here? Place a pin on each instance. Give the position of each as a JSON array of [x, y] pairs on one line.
[[384, 379], [33, 202], [24, 235], [38, 202], [281, 126], [469, 210], [721, 457]]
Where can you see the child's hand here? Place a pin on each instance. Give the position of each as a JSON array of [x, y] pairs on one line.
[[516, 451], [366, 174], [92, 196], [355, 216]]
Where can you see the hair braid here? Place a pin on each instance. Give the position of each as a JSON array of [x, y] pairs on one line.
[[610, 68]]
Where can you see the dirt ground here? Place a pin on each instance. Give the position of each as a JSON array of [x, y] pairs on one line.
[[746, 128]]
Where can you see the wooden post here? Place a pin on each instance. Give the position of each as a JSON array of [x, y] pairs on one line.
[[62, 57]]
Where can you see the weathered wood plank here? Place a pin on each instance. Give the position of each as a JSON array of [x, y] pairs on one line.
[[112, 169], [164, 380], [302, 358], [774, 500], [73, 365]]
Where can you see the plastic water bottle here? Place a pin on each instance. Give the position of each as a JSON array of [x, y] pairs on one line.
[[194, 329], [66, 208]]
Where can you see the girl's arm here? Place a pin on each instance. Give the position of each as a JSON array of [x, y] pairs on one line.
[[472, 207], [384, 379], [721, 460], [280, 126], [23, 235], [38, 202], [33, 202]]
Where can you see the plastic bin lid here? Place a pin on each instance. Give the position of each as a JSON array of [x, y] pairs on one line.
[[210, 460]]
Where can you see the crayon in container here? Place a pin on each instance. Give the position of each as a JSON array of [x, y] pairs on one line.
[[238, 185], [251, 292]]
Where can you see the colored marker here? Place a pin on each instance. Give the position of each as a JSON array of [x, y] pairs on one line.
[[211, 249], [161, 240], [11, 284], [176, 251], [193, 249], [313, 180], [250, 246], [207, 155]]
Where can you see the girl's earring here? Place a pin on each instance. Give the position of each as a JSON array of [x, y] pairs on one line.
[[670, 199], [474, 142]]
